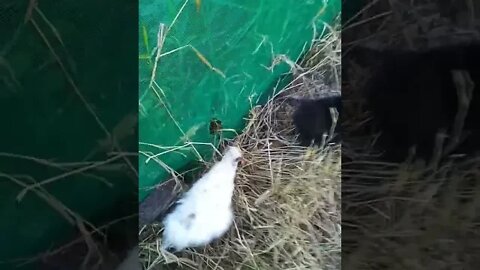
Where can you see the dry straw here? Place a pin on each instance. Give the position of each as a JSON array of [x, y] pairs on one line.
[[287, 197], [423, 217]]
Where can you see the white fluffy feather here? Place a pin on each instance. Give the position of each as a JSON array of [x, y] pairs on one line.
[[204, 213]]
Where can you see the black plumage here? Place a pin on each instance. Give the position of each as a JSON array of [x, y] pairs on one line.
[[312, 118]]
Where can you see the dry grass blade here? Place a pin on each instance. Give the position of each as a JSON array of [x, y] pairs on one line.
[[418, 215], [69, 215], [287, 197], [71, 81], [69, 173]]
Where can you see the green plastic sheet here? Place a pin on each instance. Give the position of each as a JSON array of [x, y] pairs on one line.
[[43, 117], [205, 60]]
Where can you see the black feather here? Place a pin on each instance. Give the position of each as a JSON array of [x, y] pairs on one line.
[[312, 118]]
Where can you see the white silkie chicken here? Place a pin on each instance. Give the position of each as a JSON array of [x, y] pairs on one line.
[[204, 213]]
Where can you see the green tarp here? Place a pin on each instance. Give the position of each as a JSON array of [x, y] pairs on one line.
[[216, 60], [43, 117], [214, 63]]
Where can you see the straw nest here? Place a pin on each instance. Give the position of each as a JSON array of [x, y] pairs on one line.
[[287, 197], [405, 216]]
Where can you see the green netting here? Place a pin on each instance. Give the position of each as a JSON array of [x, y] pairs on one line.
[[216, 59], [42, 116]]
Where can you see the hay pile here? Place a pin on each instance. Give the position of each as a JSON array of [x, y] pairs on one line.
[[287, 197], [405, 216]]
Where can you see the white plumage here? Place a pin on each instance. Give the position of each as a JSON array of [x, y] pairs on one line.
[[205, 212]]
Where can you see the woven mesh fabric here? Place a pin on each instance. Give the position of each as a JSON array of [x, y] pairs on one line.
[[215, 64], [43, 117]]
